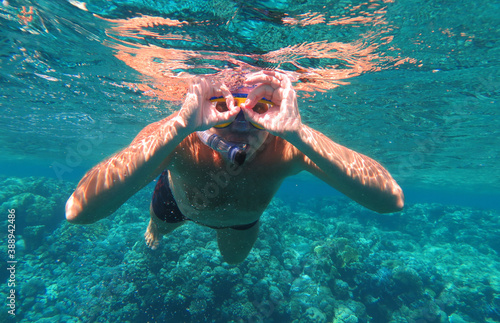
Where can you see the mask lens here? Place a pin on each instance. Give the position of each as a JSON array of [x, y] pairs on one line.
[[257, 126], [222, 125], [221, 106], [261, 107]]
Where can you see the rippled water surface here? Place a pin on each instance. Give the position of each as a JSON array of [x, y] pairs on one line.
[[414, 84]]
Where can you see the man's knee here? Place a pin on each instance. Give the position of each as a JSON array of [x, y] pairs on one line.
[[235, 245], [234, 254], [234, 259]]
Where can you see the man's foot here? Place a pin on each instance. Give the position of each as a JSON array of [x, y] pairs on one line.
[[152, 235], [157, 229]]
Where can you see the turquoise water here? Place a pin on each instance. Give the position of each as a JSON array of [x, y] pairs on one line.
[[413, 84]]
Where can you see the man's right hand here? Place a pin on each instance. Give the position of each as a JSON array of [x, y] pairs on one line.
[[108, 185], [198, 113], [283, 118]]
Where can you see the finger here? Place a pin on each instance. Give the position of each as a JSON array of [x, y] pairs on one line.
[[254, 117], [255, 75], [215, 117], [227, 116], [267, 121], [202, 88], [261, 91], [232, 112], [279, 79], [212, 89], [193, 83], [228, 96], [285, 81], [262, 77]]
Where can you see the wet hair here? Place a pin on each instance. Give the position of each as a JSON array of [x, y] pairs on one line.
[[234, 79]]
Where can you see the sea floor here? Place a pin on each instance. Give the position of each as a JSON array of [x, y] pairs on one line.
[[320, 260]]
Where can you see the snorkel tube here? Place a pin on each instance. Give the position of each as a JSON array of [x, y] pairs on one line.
[[234, 152]]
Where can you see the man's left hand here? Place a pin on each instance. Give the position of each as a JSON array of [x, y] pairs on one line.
[[283, 118]]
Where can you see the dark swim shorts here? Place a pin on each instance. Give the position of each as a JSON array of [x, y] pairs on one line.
[[166, 209]]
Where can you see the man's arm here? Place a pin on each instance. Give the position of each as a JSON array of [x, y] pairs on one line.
[[108, 185], [357, 176]]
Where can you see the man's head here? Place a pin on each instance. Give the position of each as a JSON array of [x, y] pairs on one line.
[[240, 130], [240, 97], [233, 79]]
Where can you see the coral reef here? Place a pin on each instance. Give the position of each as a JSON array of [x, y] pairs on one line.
[[39, 205], [325, 260]]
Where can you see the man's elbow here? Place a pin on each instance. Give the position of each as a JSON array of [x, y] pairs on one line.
[[75, 219], [395, 203], [74, 212], [399, 203]]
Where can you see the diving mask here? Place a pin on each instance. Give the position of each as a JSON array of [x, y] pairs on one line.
[[239, 98]]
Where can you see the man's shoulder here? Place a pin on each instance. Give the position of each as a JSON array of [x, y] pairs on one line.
[[280, 150], [191, 148]]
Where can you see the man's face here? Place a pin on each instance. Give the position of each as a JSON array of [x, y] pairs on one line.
[[240, 130]]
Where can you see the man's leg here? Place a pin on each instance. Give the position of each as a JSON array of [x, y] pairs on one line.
[[235, 245], [157, 228]]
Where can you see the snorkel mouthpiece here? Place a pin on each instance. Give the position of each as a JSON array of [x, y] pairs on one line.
[[239, 156], [234, 152]]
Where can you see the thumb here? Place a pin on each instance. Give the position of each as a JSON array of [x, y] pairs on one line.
[[253, 116], [228, 115]]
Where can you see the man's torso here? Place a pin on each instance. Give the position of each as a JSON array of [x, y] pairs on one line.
[[211, 191]]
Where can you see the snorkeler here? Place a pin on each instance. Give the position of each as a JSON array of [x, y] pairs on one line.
[[222, 157]]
